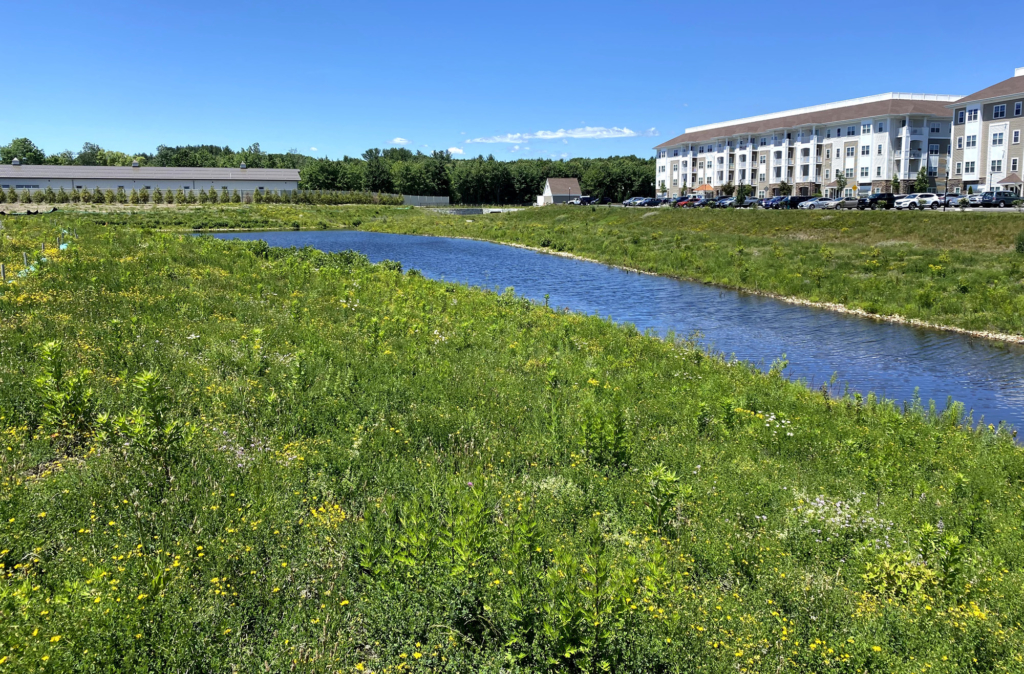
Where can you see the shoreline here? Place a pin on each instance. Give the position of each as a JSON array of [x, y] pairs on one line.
[[827, 306]]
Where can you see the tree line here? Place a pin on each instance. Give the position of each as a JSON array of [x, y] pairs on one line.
[[475, 180]]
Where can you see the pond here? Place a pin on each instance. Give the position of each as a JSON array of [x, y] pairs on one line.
[[865, 355]]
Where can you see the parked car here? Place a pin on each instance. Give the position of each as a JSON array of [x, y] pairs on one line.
[[809, 204], [599, 201], [998, 199], [950, 199], [844, 203], [725, 202], [684, 201], [790, 201], [579, 201], [750, 202], [974, 199], [632, 202], [698, 203], [918, 200], [884, 200]]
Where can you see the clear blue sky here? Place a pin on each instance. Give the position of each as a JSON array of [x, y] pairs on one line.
[[533, 78]]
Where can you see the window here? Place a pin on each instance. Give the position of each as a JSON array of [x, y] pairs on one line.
[[999, 111], [997, 166], [828, 154], [848, 192], [972, 141], [864, 172], [933, 148], [972, 115], [764, 141], [959, 142], [760, 194], [146, 187], [675, 183], [851, 130], [865, 128], [865, 150], [878, 172], [1016, 137], [720, 174], [997, 138], [849, 173], [934, 128], [827, 174], [956, 190], [764, 158], [778, 172], [849, 151], [686, 164], [933, 171], [881, 127], [743, 174], [879, 149], [959, 168], [701, 164], [675, 153], [223, 187], [1016, 109], [760, 177], [968, 167], [960, 117], [721, 161], [1013, 164]]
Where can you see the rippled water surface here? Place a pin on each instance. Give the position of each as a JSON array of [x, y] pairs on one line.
[[866, 355]]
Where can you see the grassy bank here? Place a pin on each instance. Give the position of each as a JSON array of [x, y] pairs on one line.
[[217, 456]]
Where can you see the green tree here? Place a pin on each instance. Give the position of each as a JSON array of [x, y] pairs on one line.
[[377, 173], [921, 183], [110, 197], [895, 186], [785, 189], [728, 189], [12, 196], [97, 196], [741, 194], [158, 196], [224, 197], [840, 182], [120, 196], [51, 196], [213, 195], [62, 196], [179, 197], [235, 199], [24, 150], [169, 196], [143, 196], [203, 198], [26, 197]]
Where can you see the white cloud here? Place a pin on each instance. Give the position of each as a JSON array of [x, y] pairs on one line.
[[587, 132], [312, 149], [399, 141], [515, 147], [564, 155], [565, 141], [456, 150]]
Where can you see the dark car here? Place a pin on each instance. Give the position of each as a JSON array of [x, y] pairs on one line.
[[789, 202], [649, 201], [599, 201], [769, 202], [698, 203], [884, 200], [999, 199]]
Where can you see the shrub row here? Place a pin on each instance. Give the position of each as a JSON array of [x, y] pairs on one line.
[[143, 196]]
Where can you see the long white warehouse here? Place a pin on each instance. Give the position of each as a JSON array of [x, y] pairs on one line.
[[34, 177]]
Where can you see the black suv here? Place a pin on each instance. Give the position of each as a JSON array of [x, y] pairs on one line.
[[884, 200], [789, 202], [1000, 199]]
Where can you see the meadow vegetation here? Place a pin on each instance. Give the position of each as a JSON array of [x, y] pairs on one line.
[[218, 456]]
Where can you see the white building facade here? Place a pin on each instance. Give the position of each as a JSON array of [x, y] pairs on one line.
[[34, 177], [866, 140]]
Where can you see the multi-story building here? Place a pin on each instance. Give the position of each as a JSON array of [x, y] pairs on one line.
[[866, 140], [987, 126]]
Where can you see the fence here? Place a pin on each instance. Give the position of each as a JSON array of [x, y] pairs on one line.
[[410, 200]]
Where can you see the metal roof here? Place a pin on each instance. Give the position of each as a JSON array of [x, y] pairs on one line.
[[45, 171], [824, 116]]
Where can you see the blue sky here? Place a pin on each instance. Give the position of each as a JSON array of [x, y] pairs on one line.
[[516, 79]]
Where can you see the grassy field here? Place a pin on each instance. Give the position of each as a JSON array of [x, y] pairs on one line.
[[217, 456], [953, 269]]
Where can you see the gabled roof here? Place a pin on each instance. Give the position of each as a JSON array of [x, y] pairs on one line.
[[1012, 179], [832, 113], [47, 171], [1013, 86], [561, 186]]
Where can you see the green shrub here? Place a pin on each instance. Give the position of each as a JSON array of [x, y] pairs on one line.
[[235, 198], [158, 196]]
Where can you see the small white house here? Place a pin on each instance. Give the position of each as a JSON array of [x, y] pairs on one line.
[[559, 191]]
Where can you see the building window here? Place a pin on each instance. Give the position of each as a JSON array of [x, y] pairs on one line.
[[828, 154], [849, 151], [864, 172], [701, 164], [969, 167], [865, 150], [778, 172], [881, 127], [849, 173], [999, 111], [721, 161], [956, 190], [760, 177], [997, 138], [1016, 109], [972, 141], [933, 148], [933, 171], [675, 153], [959, 142], [675, 183], [827, 173], [878, 172], [972, 115], [851, 130], [865, 128], [848, 192], [720, 174], [934, 128], [1013, 164], [1016, 136], [960, 117], [959, 168], [685, 163], [879, 149], [997, 166]]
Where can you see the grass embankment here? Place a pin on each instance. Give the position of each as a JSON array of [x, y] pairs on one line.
[[220, 457], [951, 269]]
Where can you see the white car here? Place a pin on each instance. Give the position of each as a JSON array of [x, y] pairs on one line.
[[918, 200], [816, 202], [974, 199]]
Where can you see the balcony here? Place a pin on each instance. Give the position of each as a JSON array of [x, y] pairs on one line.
[[805, 160], [790, 161], [912, 131], [817, 159], [915, 154]]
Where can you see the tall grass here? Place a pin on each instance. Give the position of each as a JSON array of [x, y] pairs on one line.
[[218, 456]]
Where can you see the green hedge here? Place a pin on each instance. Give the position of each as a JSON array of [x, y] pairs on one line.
[[143, 196]]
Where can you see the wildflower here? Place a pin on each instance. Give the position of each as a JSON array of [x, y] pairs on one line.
[[417, 655], [54, 639], [345, 603], [876, 648], [42, 514]]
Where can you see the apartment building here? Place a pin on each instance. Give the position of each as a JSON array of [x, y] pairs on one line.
[[987, 128], [865, 140]]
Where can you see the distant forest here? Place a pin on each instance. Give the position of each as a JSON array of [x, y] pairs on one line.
[[477, 180]]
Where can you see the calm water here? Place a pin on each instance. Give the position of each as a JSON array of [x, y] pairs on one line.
[[890, 360]]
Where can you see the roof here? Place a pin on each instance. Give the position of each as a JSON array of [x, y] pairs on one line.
[[1010, 87], [704, 188], [46, 171], [1011, 179], [564, 186], [857, 109]]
